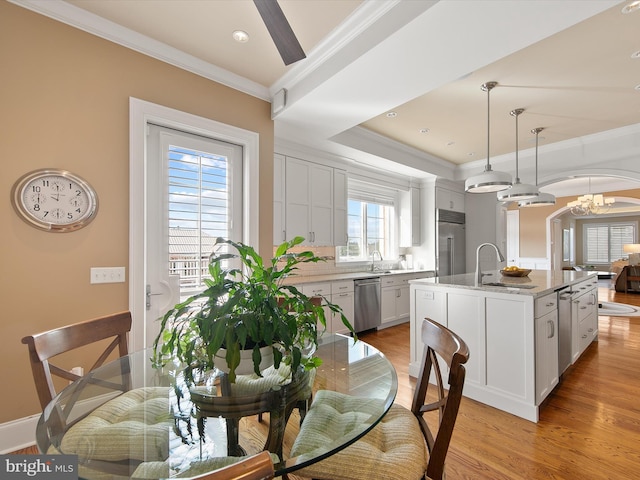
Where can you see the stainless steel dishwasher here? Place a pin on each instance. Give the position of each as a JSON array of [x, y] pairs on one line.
[[367, 313]]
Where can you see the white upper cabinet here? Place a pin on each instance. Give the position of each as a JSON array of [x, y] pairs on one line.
[[315, 203], [340, 198], [449, 200], [279, 234], [410, 218]]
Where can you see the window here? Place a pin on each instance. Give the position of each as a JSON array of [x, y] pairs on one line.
[[371, 223], [200, 180], [199, 211], [603, 242]]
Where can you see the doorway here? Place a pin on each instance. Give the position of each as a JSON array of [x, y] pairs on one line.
[[142, 115]]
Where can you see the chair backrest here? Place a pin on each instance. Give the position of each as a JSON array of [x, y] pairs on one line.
[[256, 467], [43, 346], [439, 342]]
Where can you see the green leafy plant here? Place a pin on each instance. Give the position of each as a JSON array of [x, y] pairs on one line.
[[246, 308]]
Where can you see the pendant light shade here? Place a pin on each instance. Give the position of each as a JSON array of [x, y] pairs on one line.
[[488, 181], [518, 191], [543, 199]]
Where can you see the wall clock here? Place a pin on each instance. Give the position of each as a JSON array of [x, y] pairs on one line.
[[54, 200]]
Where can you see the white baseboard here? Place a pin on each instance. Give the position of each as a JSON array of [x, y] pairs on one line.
[[18, 434]]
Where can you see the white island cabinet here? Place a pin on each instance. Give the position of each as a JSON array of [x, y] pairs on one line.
[[511, 333]]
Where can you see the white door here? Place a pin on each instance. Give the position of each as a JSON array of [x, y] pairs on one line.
[[194, 195], [179, 203]]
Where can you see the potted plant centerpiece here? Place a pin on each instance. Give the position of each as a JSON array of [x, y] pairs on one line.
[[246, 308]]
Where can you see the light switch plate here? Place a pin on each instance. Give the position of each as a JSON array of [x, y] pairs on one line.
[[107, 274]]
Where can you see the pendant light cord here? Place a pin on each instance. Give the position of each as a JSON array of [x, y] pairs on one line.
[[488, 87], [516, 113], [537, 132]]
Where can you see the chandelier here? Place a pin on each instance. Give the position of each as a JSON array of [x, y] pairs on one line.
[[591, 204]]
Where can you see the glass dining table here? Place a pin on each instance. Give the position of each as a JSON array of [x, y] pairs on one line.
[[133, 419]]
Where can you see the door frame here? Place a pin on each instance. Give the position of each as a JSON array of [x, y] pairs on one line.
[[140, 114]]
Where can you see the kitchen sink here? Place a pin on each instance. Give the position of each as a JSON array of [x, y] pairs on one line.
[[508, 285]]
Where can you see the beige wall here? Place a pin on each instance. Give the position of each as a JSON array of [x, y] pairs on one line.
[[64, 102], [533, 230]]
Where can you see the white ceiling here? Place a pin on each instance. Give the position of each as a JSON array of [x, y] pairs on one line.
[[573, 65]]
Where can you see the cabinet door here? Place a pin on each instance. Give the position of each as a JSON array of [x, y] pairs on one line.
[[449, 200], [416, 237], [320, 290], [546, 328], [344, 301], [388, 304], [321, 182], [298, 200], [340, 199], [279, 234], [403, 303]]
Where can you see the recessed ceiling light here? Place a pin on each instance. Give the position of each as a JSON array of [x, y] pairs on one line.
[[471, 154], [631, 7], [392, 114], [451, 143], [637, 87], [635, 54], [424, 130], [240, 36]]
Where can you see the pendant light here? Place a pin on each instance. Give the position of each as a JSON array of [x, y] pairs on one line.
[[518, 191], [488, 181], [543, 199]]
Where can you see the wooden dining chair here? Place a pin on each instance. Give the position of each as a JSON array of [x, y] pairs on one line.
[[46, 345], [402, 445], [256, 467]]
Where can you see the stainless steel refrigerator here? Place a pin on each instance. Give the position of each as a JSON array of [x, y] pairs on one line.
[[450, 247]]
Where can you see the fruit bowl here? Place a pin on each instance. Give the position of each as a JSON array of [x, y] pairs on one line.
[[521, 272]]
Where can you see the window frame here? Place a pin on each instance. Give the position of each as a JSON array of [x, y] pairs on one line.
[[372, 194], [585, 241]]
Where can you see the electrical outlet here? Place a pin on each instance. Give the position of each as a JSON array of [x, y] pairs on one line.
[[107, 274]]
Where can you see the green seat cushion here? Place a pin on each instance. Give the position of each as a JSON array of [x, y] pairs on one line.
[[135, 425], [393, 449]]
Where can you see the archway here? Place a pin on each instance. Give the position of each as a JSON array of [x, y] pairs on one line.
[[551, 232]]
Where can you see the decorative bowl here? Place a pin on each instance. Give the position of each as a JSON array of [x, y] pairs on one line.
[[522, 272]]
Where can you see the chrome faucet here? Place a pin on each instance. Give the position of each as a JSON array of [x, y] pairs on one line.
[[478, 271], [373, 257]]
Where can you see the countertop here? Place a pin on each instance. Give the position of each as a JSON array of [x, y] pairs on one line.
[[299, 279], [541, 282]]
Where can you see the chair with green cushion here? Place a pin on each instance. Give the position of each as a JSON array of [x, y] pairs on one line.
[[402, 446]]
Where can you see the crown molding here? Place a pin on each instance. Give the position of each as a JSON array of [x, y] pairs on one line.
[[64, 12]]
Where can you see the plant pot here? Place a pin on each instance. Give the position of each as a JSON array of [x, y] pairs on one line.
[[246, 361]]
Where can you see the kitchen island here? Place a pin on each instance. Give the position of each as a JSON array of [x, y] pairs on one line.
[[511, 325]]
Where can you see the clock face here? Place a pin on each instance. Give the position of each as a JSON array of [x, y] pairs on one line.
[[54, 200]]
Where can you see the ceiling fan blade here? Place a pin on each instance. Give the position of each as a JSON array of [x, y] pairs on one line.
[[280, 31]]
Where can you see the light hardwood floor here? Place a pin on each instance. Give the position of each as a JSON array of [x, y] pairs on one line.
[[588, 428]]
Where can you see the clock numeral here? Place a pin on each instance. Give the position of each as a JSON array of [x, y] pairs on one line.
[[78, 193], [70, 216], [36, 189], [36, 207]]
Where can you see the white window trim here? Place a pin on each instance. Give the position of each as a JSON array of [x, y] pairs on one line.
[[585, 228], [140, 114], [380, 194]]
